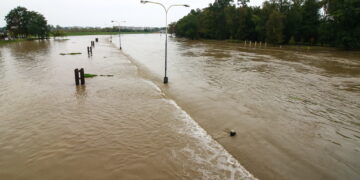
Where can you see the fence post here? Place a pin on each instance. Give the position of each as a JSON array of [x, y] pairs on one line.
[[82, 76], [76, 71]]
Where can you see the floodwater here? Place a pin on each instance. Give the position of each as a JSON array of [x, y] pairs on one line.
[[296, 110], [121, 126]]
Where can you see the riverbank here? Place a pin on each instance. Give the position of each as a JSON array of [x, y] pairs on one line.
[[121, 126], [74, 34], [13, 41]]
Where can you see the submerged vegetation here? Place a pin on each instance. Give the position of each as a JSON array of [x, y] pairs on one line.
[[95, 75], [305, 22], [63, 54], [90, 75]]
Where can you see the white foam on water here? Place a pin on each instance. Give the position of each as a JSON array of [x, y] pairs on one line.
[[209, 152]]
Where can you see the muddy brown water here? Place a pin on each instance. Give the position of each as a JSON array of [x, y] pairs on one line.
[[119, 127], [296, 109]]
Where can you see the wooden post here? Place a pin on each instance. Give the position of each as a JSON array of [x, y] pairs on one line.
[[245, 43], [250, 43], [97, 39], [90, 50], [255, 44], [82, 76], [76, 71]]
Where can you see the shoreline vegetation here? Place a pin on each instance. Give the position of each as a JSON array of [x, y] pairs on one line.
[[279, 22]]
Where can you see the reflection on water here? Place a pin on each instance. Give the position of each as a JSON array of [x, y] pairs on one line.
[[81, 93], [296, 110]]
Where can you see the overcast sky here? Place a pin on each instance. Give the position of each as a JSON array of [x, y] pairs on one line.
[[101, 12]]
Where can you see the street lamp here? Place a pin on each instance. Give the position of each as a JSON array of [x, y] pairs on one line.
[[166, 14], [119, 31]]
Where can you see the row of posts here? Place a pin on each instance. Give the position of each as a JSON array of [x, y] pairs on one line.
[[255, 44], [80, 74], [90, 48]]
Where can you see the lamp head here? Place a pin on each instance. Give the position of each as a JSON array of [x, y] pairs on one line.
[[186, 5], [144, 2]]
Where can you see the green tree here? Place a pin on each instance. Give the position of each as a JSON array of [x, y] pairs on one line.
[[277, 21], [310, 21], [17, 21], [274, 28], [342, 17], [22, 23], [171, 28], [37, 25]]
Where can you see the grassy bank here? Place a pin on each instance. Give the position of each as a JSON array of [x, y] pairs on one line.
[[12, 41], [100, 33]]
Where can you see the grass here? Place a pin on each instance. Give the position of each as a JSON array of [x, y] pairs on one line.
[[100, 33], [12, 41], [63, 54], [94, 75], [90, 75]]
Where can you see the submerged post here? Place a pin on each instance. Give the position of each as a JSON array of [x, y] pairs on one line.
[[90, 50], [77, 82], [97, 39], [82, 76]]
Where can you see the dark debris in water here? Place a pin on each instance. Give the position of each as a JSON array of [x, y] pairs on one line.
[[77, 53]]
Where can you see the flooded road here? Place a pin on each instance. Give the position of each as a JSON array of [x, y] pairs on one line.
[[118, 127], [296, 110]]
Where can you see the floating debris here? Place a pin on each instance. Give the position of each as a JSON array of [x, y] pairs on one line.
[[232, 133]]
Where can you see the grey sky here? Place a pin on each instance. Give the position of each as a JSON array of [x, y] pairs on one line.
[[101, 12]]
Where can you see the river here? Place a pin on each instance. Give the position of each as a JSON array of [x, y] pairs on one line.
[[296, 110]]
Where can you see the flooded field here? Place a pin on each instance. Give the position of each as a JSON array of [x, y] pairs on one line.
[[296, 110], [121, 126]]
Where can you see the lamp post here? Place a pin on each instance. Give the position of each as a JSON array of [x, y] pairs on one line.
[[166, 79], [119, 31]]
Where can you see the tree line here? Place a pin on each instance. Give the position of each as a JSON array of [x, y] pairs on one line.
[[309, 22], [22, 23], [105, 29]]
